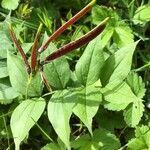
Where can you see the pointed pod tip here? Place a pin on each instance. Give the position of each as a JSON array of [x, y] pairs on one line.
[[40, 28]]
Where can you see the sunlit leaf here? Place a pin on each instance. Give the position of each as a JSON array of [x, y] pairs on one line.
[[24, 117]]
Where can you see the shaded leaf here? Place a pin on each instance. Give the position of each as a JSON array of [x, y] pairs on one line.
[[3, 69], [117, 66], [142, 140], [87, 104], [57, 72], [102, 139], [51, 146], [7, 93], [122, 34]]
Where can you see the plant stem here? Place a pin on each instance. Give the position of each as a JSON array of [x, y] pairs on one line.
[[5, 125], [42, 130]]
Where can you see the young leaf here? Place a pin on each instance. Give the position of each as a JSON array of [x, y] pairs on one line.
[[141, 141], [89, 65], [35, 49], [78, 43], [117, 66], [66, 25], [59, 113], [19, 78], [24, 117], [88, 102], [136, 84], [57, 72], [142, 15], [12, 34], [134, 112], [10, 4], [101, 140]]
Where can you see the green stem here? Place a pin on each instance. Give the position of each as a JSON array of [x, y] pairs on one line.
[[143, 67], [5, 125], [43, 131]]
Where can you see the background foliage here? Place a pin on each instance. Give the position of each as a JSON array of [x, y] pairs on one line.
[[100, 93]]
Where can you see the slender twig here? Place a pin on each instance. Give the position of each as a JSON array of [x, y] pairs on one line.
[[48, 137], [35, 49], [66, 25], [76, 44], [20, 50]]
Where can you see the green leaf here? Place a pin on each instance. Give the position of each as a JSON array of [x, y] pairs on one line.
[[5, 43], [51, 146], [134, 112], [106, 35], [19, 78], [117, 66], [59, 112], [142, 140], [89, 65], [26, 47], [99, 13], [110, 120], [102, 139], [136, 84], [7, 93], [3, 69], [24, 117], [119, 98], [122, 98], [142, 15], [57, 72], [10, 4], [122, 34], [87, 104]]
